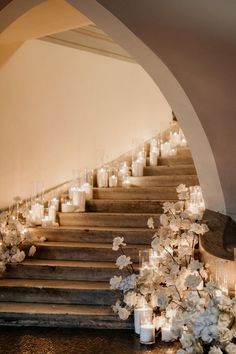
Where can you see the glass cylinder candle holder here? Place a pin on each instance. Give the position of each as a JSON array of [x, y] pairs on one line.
[[52, 213], [67, 205], [144, 260], [173, 152], [154, 258], [102, 177], [166, 333], [37, 213], [139, 312], [175, 139], [137, 168], [153, 158], [113, 177], [147, 329], [126, 183], [165, 149], [123, 171]]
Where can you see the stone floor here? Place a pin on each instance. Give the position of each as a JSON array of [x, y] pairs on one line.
[[23, 340]]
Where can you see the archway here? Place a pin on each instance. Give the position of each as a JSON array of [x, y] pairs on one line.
[[170, 87]]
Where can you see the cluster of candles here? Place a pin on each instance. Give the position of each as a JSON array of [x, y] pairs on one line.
[[114, 177], [195, 204], [39, 215], [143, 314], [176, 139]]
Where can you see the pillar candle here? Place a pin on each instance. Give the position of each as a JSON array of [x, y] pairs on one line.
[[67, 207], [88, 189], [55, 201], [139, 313], [37, 213], [52, 213], [153, 158], [102, 177], [112, 181], [147, 333], [137, 168], [166, 334]]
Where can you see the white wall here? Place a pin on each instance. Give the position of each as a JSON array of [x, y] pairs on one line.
[[59, 106]]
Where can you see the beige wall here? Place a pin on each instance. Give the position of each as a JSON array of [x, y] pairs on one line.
[[60, 106]]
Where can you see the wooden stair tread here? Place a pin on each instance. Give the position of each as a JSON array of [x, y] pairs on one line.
[[61, 263], [85, 245], [95, 228], [57, 284], [31, 308]]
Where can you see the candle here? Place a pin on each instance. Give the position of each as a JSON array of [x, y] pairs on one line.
[[67, 207], [82, 201], [174, 139], [102, 177], [153, 157], [88, 189], [126, 182], [165, 148], [183, 142], [172, 152], [37, 213], [137, 168], [52, 213], [113, 181], [46, 222], [166, 334], [140, 313], [54, 201], [147, 333]]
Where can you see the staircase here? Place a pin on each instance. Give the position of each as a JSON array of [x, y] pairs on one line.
[[66, 283]]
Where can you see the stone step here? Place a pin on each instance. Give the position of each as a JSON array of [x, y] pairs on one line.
[[63, 270], [94, 234], [73, 251], [58, 315], [162, 181], [57, 291], [124, 206], [106, 219], [136, 193], [188, 169]]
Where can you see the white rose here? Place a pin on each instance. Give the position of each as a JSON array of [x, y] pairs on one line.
[[123, 313], [117, 242], [115, 282], [123, 261]]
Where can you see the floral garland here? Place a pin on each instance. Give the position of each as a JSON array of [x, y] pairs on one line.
[[15, 237], [176, 285]]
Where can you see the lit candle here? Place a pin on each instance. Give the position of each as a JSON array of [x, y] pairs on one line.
[[102, 177], [37, 213], [46, 222], [154, 157], [175, 139], [172, 152], [166, 334], [54, 201], [165, 148], [88, 189], [52, 213], [137, 168], [139, 314], [67, 207], [147, 333], [126, 182], [113, 181]]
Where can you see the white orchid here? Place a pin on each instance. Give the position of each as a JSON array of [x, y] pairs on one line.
[[192, 281], [131, 299], [230, 348], [123, 261], [117, 243]]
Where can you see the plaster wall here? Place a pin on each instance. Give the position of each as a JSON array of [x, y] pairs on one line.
[[61, 107]]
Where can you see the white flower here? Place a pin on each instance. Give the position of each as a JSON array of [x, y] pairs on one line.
[[123, 313], [18, 257], [123, 261], [2, 267], [181, 188], [155, 243], [199, 229], [175, 224], [210, 287], [164, 220], [115, 282], [225, 335], [215, 350], [168, 206], [185, 224], [32, 251], [131, 298], [231, 348], [195, 265], [162, 300], [192, 281], [116, 307], [117, 242], [187, 340], [150, 223], [128, 283]]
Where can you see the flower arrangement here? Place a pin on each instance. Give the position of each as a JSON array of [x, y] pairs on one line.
[[15, 237], [185, 304]]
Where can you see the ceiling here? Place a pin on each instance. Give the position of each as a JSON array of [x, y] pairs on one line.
[[89, 38]]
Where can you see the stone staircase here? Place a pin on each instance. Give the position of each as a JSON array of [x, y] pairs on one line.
[[66, 283]]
